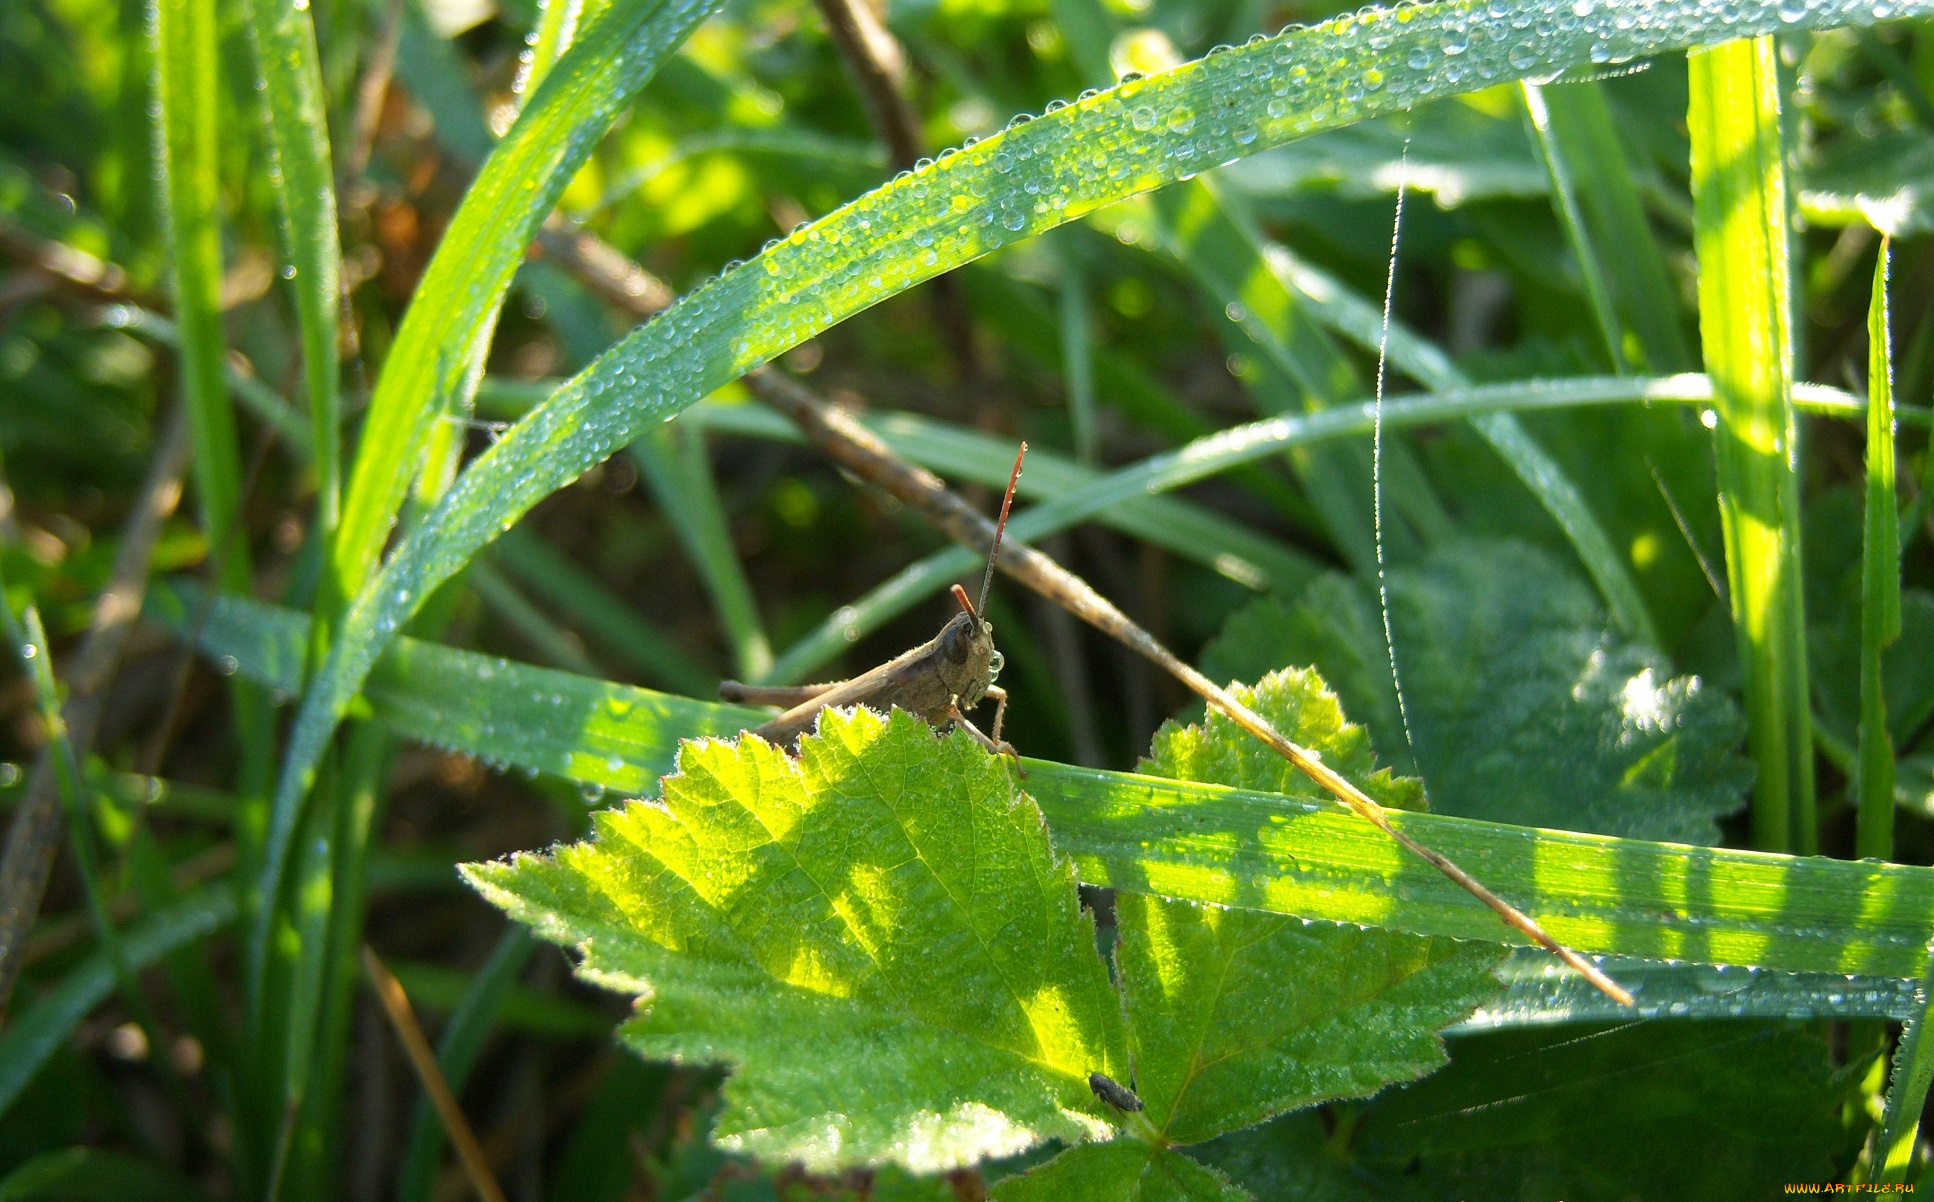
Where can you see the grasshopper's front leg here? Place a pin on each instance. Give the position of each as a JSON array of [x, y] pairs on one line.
[[996, 745]]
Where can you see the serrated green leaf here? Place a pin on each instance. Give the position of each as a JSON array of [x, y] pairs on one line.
[[1126, 1170], [1521, 705], [1296, 701], [1235, 1016], [877, 935]]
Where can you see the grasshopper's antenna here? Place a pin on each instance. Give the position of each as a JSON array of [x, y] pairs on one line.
[[1007, 502]]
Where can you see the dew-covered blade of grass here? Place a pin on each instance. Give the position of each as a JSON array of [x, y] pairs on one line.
[[187, 88], [456, 301], [290, 83], [1880, 583], [1202, 842], [1741, 234]]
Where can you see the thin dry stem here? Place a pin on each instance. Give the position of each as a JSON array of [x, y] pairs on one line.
[[396, 1004], [837, 434]]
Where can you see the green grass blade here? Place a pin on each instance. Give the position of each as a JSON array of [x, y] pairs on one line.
[[187, 90], [1907, 1093], [1741, 232], [28, 639], [39, 1029], [599, 615], [290, 77], [457, 300], [557, 24], [451, 317], [675, 467], [1106, 497], [1030, 178], [1565, 187], [1604, 216], [1539, 993], [674, 463], [1880, 583], [1209, 843], [1077, 350]]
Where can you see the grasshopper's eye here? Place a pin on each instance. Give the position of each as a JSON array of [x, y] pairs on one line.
[[994, 663], [957, 641]]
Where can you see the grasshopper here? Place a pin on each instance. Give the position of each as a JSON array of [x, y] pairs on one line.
[[939, 680]]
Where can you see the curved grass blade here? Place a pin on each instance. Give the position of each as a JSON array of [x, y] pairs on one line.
[[451, 317], [1741, 233], [460, 291], [1229, 449], [1029, 178]]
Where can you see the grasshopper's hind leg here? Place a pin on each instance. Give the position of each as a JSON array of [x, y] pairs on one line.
[[783, 696]]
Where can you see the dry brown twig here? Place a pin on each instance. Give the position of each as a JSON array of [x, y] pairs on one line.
[[396, 1004], [856, 448]]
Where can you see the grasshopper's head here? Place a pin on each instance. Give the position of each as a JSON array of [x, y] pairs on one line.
[[967, 642]]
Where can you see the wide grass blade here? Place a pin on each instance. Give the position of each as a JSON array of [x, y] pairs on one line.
[[1741, 232], [1206, 843], [450, 319], [457, 299]]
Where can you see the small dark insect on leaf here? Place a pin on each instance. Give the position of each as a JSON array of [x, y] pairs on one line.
[[1113, 1092]]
